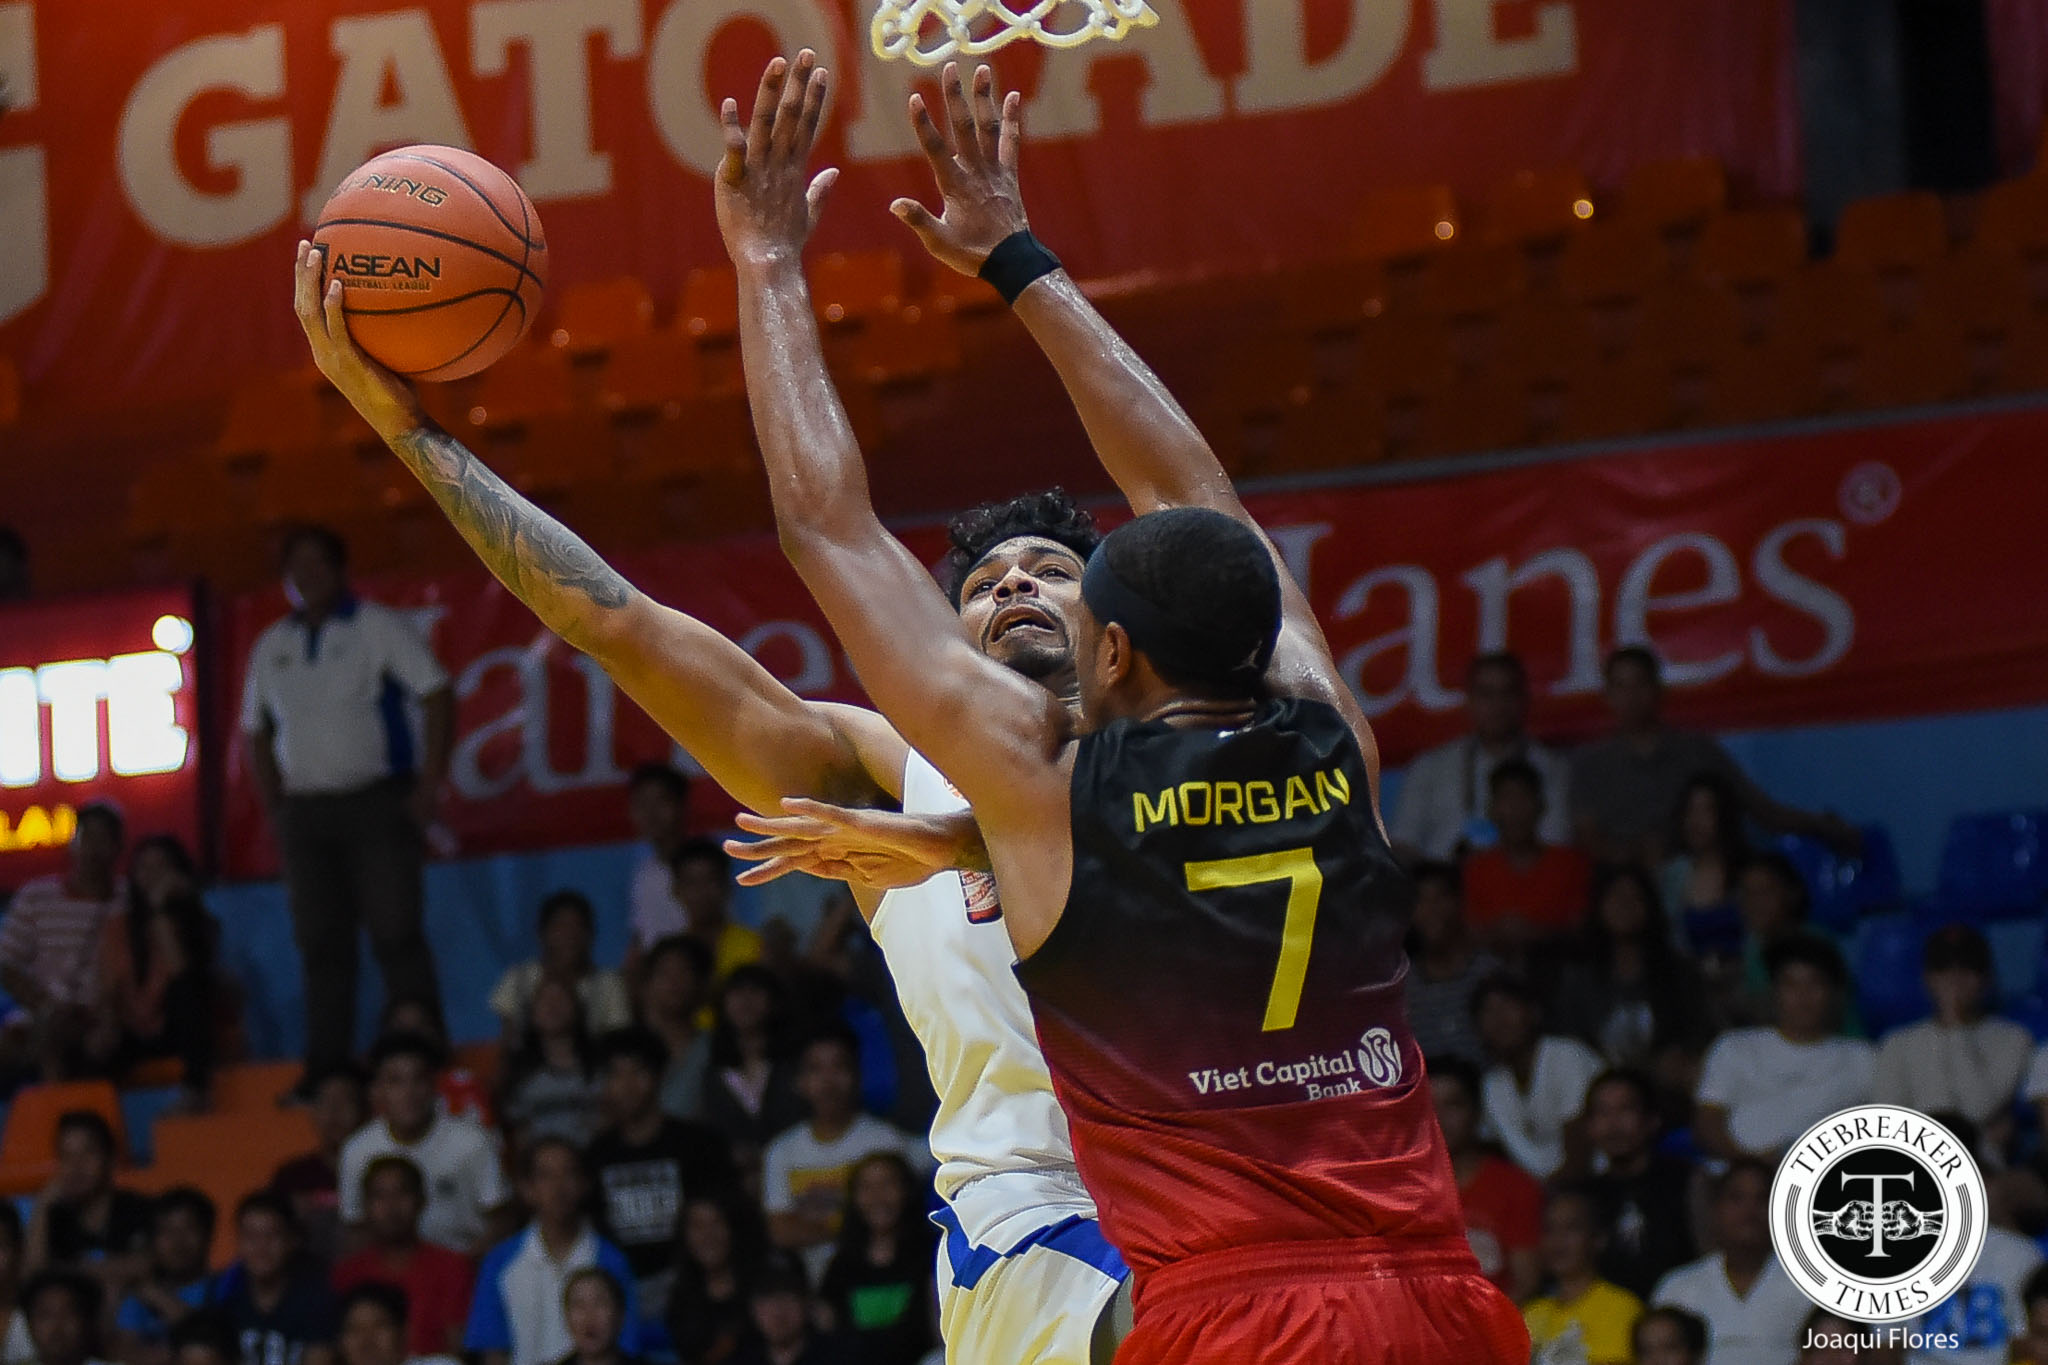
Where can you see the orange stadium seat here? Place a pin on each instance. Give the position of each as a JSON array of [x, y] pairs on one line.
[[710, 307], [1482, 412], [1614, 262], [555, 455], [905, 345], [953, 292], [269, 415], [226, 1155], [1405, 222], [1756, 247], [847, 286], [1548, 340], [593, 318], [1626, 396], [531, 383], [1760, 383], [28, 1147], [1538, 208], [1982, 293], [1469, 280], [1690, 322], [1892, 232], [1910, 366], [649, 374], [247, 1086], [705, 433], [1330, 297], [1677, 197]]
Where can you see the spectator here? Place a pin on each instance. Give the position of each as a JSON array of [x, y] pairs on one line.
[[1645, 1195], [707, 1308], [550, 1090], [332, 752], [437, 1282], [1771, 902], [204, 1338], [517, 1317], [1603, 1314], [1630, 993], [1503, 1204], [50, 940], [1760, 1088], [568, 930], [779, 1302], [312, 1181], [465, 1188], [2032, 1348], [1958, 1060], [647, 1164], [1442, 804], [1750, 1305], [750, 1091], [376, 1328], [276, 1301], [594, 1309], [1670, 1336], [702, 876], [1522, 888], [1625, 787], [658, 800], [156, 972], [1444, 967], [15, 1347], [1987, 1314], [81, 1219], [804, 1171], [1698, 879], [63, 1309], [460, 1093], [1536, 1083], [15, 579], [180, 1238], [879, 1284], [673, 977]]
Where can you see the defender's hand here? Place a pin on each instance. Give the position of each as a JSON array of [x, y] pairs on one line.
[[766, 206], [384, 400], [979, 180], [879, 850]]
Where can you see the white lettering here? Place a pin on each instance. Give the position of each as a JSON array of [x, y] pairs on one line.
[[143, 734], [24, 178], [1279, 74], [1494, 582], [1470, 51], [257, 151], [565, 163], [684, 113], [72, 690], [398, 49], [1418, 637], [1781, 582], [813, 673], [466, 763], [1634, 602], [21, 728], [1178, 86], [1297, 545]]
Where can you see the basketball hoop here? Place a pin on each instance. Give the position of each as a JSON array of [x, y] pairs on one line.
[[928, 32]]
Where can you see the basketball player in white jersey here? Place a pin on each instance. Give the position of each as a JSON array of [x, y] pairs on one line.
[[1025, 1277]]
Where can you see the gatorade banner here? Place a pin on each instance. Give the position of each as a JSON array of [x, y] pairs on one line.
[[1802, 579], [157, 162]]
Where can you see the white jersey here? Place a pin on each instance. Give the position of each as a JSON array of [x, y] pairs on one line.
[[1006, 1163]]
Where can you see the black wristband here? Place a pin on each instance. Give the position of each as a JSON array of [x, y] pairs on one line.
[[1017, 260]]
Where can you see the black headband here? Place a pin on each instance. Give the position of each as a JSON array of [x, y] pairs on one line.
[[1181, 649]]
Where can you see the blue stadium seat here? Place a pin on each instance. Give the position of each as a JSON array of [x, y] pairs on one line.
[[1889, 991], [1994, 865], [2031, 1013], [1845, 889]]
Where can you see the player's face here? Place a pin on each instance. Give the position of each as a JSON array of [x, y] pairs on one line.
[[370, 1337], [1018, 605]]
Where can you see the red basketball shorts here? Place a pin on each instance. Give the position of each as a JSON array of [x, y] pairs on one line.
[[1326, 1303]]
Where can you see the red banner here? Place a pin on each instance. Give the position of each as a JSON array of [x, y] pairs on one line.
[[1804, 578], [99, 701], [157, 161]]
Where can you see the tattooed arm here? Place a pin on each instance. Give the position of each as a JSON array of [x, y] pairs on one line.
[[756, 738]]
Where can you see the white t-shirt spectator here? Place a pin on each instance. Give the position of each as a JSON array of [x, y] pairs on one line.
[[602, 992], [1761, 1329], [1973, 1070], [1530, 1124], [53, 935], [801, 1174], [1988, 1312], [465, 1180], [337, 696], [1775, 1089], [1447, 788]]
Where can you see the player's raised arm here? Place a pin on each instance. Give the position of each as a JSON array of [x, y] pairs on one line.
[[1144, 438], [996, 735], [757, 739]]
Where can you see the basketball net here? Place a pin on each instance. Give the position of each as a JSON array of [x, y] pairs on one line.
[[972, 27]]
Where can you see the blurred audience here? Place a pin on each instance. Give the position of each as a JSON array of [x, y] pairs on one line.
[[1535, 1082], [568, 934], [375, 1327], [1644, 1195], [2032, 1346], [1578, 1300], [466, 1192], [594, 1310], [1628, 991], [437, 1282], [1708, 851], [1750, 1305], [779, 1303], [722, 1238], [1503, 1204], [702, 879], [1445, 965], [1522, 888], [81, 1219], [15, 1347], [204, 1338], [274, 1298], [550, 1083], [878, 1287], [750, 1091], [156, 972], [1958, 1060], [50, 947], [1670, 1336], [1441, 808], [63, 1310], [1987, 1313], [675, 975], [180, 1238], [312, 1181], [658, 803]]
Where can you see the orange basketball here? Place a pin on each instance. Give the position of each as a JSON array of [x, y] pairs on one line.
[[441, 259]]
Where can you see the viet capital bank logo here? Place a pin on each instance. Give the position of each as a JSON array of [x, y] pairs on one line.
[[1878, 1213]]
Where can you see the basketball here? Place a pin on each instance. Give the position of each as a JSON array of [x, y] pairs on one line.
[[441, 258]]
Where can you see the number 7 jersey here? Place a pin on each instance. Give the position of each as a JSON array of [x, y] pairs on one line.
[[1220, 1004]]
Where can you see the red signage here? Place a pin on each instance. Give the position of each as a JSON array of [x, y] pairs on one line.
[[99, 701], [157, 161], [1804, 578]]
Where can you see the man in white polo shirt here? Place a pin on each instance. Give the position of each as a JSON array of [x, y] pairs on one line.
[[350, 789], [1751, 1307]]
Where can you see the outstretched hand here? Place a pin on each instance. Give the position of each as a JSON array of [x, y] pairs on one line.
[[384, 400], [877, 849], [977, 174], [766, 205]]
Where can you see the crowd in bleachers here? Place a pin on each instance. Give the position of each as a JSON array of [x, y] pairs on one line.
[[711, 1150]]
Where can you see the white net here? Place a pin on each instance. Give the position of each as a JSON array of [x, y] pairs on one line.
[[928, 32]]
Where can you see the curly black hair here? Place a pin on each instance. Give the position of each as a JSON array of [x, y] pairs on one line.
[[1049, 515]]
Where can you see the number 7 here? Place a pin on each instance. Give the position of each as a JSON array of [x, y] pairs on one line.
[[1297, 867]]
